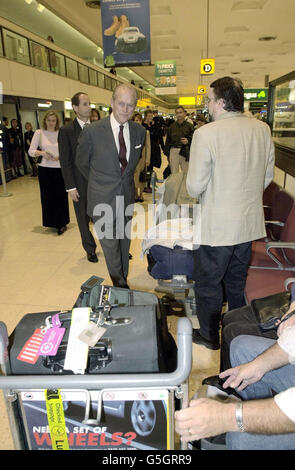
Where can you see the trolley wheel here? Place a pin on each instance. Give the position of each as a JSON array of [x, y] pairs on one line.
[[146, 418]]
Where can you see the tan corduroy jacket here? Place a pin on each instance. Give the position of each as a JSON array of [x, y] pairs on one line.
[[231, 163]]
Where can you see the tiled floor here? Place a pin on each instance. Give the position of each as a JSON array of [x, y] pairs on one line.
[[40, 271]]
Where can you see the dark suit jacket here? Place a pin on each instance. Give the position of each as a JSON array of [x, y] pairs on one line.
[[67, 144], [98, 160]]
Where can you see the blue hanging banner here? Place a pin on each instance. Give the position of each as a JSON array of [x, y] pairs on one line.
[[126, 32]]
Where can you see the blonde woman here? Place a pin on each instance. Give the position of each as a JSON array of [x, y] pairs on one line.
[[143, 163], [54, 198]]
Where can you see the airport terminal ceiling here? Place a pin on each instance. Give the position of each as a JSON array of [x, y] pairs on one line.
[[230, 31]]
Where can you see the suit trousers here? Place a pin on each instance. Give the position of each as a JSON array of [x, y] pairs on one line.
[[116, 250], [83, 219], [218, 269]]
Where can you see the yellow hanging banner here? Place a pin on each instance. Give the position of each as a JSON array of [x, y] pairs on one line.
[[56, 420]]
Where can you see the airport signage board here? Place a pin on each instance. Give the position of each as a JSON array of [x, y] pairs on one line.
[[202, 89], [187, 100], [207, 66], [256, 94], [165, 76], [126, 32]]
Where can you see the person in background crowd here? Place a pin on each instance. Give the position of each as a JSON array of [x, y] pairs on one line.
[[231, 163], [15, 149], [178, 140], [95, 115], [143, 163], [76, 184], [107, 154], [200, 121], [28, 139], [156, 137], [67, 120], [54, 198]]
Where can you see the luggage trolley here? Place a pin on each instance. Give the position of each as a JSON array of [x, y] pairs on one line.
[[179, 288], [95, 411]]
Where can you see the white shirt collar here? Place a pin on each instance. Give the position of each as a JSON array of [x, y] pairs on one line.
[[82, 123]]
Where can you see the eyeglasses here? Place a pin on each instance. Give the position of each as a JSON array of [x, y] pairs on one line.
[[208, 100]]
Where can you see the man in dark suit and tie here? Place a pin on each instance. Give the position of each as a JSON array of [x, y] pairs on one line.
[[107, 154], [75, 182]]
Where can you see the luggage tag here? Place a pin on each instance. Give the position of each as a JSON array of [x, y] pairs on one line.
[[91, 334], [52, 338], [29, 352]]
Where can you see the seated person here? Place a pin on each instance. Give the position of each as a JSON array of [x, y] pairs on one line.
[[262, 421], [242, 321]]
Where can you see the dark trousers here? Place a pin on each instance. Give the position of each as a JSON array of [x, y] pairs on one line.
[[116, 249], [217, 270], [83, 218]]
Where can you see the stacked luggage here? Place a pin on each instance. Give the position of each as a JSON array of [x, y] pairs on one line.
[[114, 381]]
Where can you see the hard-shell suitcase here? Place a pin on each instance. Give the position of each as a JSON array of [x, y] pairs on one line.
[[136, 339]]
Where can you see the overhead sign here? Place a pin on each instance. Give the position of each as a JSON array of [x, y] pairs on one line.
[[202, 89], [165, 77], [207, 66], [256, 94], [187, 100], [200, 99], [126, 32]]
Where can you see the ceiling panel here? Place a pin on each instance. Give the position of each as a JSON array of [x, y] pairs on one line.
[[179, 31]]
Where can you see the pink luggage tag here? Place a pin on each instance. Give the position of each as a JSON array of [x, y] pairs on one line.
[[51, 341]]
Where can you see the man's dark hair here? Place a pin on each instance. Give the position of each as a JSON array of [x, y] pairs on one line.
[[231, 91], [180, 107], [76, 98]]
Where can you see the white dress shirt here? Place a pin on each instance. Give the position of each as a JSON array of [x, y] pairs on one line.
[[115, 125]]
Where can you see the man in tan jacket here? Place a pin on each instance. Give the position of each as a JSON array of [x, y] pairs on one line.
[[231, 163]]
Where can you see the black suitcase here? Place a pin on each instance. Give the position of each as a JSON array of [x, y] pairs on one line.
[[142, 345]]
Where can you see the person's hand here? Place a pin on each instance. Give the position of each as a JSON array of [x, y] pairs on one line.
[[204, 418], [184, 140], [74, 195], [289, 322], [241, 376], [46, 155]]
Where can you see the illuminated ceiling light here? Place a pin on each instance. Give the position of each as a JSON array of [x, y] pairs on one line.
[[28, 2], [40, 8], [45, 105]]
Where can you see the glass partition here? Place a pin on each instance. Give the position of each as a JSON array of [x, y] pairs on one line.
[[108, 83], [92, 77], [283, 119], [39, 55], [57, 63], [16, 47], [100, 79], [83, 73], [72, 69], [1, 45]]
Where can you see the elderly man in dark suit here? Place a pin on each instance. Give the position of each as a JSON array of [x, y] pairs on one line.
[[107, 155], [75, 182]]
